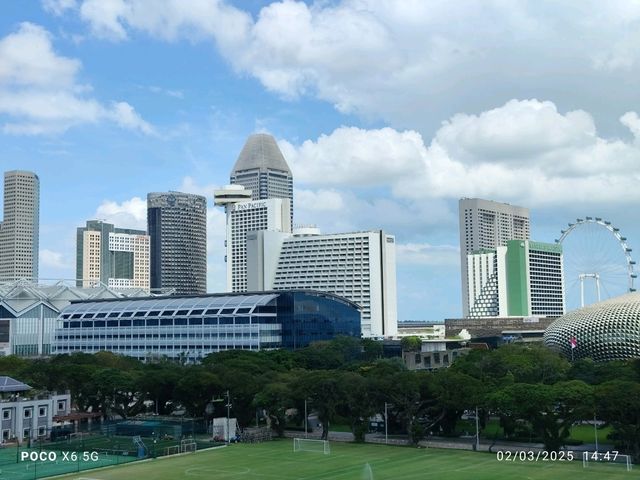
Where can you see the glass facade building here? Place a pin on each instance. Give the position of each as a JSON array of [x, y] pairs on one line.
[[191, 327], [177, 225]]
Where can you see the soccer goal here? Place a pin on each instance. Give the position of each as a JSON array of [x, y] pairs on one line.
[[311, 445], [188, 446], [610, 458], [173, 450]]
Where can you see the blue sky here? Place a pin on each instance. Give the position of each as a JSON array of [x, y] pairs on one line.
[[388, 113]]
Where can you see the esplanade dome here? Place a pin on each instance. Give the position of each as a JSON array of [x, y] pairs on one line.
[[604, 331]]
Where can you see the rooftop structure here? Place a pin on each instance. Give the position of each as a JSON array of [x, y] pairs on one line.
[[28, 312], [261, 168], [603, 331]]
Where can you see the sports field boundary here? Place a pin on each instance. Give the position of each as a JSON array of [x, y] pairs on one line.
[[136, 462]]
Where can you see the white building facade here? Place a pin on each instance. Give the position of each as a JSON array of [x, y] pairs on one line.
[[522, 279], [359, 266], [485, 224], [242, 217], [24, 419], [107, 255]]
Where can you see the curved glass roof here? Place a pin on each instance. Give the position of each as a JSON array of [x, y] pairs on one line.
[[173, 303]]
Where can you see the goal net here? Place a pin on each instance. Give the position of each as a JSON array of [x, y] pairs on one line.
[[611, 457], [311, 445], [188, 447]]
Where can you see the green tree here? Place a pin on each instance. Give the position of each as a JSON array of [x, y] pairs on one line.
[[275, 398], [618, 402], [325, 391]]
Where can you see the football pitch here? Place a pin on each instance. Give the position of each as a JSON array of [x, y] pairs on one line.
[[276, 460]]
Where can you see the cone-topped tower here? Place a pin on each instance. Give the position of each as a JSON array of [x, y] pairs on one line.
[[261, 167]]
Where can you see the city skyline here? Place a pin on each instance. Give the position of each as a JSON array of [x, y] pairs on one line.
[[107, 106]]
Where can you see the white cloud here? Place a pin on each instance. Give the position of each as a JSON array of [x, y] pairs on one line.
[[348, 154], [125, 116], [58, 7], [190, 185], [394, 59], [632, 122], [54, 260], [426, 254], [166, 91], [524, 151], [320, 200], [127, 214], [40, 93]]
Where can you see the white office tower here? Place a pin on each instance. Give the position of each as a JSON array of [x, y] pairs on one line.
[[485, 224], [359, 266], [19, 230], [244, 217], [524, 278], [261, 168], [487, 283], [112, 256]]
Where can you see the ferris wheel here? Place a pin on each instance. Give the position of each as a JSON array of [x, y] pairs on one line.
[[597, 262]]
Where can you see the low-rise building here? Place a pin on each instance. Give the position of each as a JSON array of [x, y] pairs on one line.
[[191, 327], [24, 417]]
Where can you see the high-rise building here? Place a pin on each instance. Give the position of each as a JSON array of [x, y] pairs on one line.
[[19, 231], [359, 266], [242, 217], [111, 256], [485, 224], [177, 225], [525, 278], [261, 167]]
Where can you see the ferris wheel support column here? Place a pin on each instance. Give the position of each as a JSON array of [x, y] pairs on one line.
[[582, 276]]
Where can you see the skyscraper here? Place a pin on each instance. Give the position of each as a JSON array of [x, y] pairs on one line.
[[522, 279], [177, 225], [485, 224], [261, 167], [116, 257], [273, 214], [19, 231]]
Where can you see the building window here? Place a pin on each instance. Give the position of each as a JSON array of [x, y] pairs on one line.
[[25, 433], [27, 412], [42, 411], [6, 414], [6, 435], [62, 405], [42, 431]]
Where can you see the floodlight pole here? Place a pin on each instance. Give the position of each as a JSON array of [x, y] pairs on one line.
[[228, 408], [477, 432], [386, 426], [305, 418], [595, 428]]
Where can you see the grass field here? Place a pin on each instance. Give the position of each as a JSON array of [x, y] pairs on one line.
[[277, 461]]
